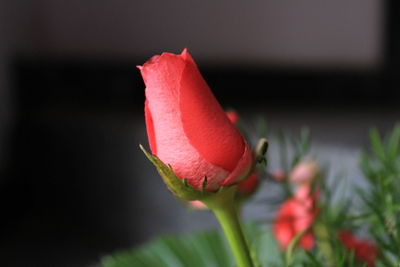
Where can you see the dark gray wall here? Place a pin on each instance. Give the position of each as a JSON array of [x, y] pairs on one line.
[[299, 32], [272, 31]]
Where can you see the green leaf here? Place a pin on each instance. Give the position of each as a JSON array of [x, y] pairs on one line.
[[394, 143], [376, 144], [208, 248]]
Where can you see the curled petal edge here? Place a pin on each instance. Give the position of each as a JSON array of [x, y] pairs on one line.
[[243, 169]]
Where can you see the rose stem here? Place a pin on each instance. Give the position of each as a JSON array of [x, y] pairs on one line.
[[224, 209]]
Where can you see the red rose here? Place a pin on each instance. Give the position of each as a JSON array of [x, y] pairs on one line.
[[248, 186], [294, 216], [363, 250], [186, 126]]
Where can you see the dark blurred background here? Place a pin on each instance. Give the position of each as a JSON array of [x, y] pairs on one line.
[[74, 185]]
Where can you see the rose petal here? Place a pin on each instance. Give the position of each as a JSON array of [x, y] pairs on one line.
[[204, 121]]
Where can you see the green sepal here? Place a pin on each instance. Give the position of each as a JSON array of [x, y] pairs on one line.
[[204, 186], [179, 187]]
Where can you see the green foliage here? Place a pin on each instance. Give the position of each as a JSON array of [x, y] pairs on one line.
[[207, 248], [381, 167], [299, 145], [377, 216]]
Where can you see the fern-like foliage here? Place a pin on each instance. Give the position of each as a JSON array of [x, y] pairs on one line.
[[208, 248], [377, 219]]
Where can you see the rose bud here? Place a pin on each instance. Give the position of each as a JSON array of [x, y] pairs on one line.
[[244, 188], [295, 216], [187, 128], [364, 250], [248, 186], [304, 172]]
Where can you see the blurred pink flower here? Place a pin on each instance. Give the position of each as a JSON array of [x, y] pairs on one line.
[[304, 172]]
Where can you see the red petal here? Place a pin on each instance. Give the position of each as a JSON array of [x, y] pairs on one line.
[[288, 217], [204, 121], [363, 250], [242, 168], [307, 241], [283, 226], [249, 185], [150, 128]]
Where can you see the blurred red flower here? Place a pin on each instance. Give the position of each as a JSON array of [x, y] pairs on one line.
[[363, 250], [295, 215]]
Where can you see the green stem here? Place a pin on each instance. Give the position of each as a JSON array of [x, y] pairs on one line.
[[322, 234], [224, 209]]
